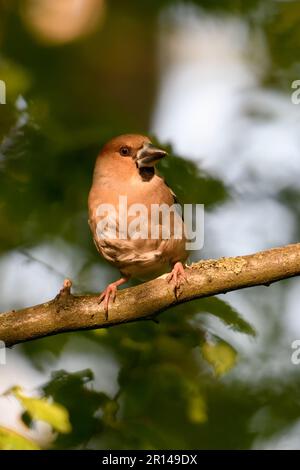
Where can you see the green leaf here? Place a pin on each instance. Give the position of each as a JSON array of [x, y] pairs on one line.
[[196, 403], [225, 312], [221, 356], [41, 409], [197, 409], [74, 391], [10, 440]]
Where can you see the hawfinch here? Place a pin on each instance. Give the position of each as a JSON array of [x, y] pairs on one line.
[[125, 172]]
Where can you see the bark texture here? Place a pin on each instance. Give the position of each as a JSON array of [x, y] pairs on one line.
[[67, 312]]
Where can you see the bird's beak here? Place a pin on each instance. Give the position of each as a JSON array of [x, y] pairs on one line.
[[148, 155]]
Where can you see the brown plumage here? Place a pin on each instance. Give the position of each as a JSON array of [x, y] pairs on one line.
[[126, 167]]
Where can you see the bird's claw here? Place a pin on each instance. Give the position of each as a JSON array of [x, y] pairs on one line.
[[178, 276], [108, 294]]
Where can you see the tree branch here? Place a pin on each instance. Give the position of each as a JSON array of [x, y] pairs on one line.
[[206, 278]]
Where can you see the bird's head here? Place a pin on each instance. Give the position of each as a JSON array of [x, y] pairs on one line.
[[131, 152]]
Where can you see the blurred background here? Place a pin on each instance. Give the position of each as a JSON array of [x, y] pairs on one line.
[[212, 81]]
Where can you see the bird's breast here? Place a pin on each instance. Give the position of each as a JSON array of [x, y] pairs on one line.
[[127, 231]]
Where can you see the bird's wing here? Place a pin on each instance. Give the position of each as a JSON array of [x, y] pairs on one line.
[[176, 201]]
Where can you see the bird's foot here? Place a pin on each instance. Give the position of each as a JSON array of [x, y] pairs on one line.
[[177, 276], [110, 293]]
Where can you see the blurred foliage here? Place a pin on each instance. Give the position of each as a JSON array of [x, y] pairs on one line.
[[64, 101], [220, 355], [35, 409], [222, 310], [10, 440], [39, 409], [201, 186]]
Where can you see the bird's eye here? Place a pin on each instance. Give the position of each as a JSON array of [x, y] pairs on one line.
[[125, 151]]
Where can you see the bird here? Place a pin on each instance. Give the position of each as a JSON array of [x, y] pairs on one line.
[[125, 170]]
